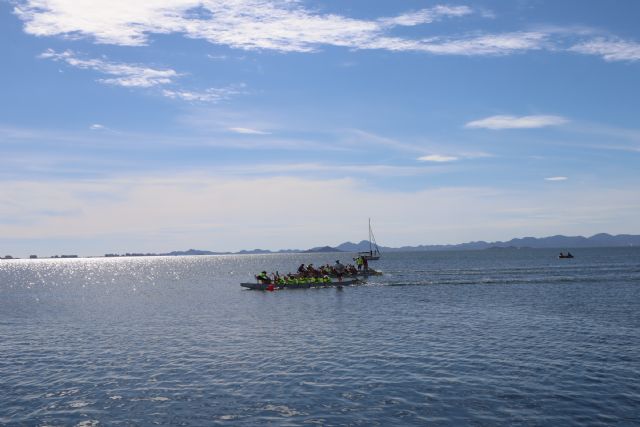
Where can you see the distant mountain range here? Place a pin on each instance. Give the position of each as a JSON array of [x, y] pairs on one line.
[[559, 242], [252, 251]]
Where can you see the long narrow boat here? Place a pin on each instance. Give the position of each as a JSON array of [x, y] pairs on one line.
[[361, 273], [267, 286]]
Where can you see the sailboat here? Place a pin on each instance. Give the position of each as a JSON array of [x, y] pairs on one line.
[[374, 252]]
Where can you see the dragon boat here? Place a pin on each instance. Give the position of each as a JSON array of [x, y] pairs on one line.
[[270, 286]]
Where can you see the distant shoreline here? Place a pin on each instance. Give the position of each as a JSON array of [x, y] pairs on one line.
[[558, 242]]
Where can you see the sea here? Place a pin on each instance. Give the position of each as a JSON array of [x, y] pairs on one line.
[[479, 338]]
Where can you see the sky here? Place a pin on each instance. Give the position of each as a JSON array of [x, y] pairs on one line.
[[226, 125]]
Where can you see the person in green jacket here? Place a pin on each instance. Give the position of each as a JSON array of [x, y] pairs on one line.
[[263, 278]]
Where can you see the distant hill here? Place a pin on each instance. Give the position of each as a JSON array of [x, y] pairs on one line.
[[558, 241], [193, 252], [354, 247], [322, 249], [319, 249], [254, 252]]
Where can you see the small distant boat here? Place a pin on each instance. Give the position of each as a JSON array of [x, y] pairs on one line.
[[374, 252], [271, 286], [567, 255]]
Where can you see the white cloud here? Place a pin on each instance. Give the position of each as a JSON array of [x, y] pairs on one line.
[[247, 131], [96, 126], [246, 24], [610, 50], [514, 122], [123, 74], [438, 158], [556, 178], [287, 26], [280, 25]]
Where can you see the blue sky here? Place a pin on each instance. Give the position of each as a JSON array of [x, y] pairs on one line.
[[226, 125]]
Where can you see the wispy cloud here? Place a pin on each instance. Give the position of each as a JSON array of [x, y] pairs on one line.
[[139, 76], [247, 131], [609, 49], [515, 122], [486, 44], [438, 158], [212, 95], [324, 169], [445, 158], [126, 75], [361, 136], [425, 150], [556, 178], [96, 126], [218, 57], [425, 16], [469, 45]]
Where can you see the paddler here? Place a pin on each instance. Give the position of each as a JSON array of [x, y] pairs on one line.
[[301, 270], [339, 268], [263, 277]]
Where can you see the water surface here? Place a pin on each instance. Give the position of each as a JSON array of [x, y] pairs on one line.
[[494, 337]]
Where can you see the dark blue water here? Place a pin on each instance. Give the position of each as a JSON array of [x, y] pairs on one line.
[[495, 337]]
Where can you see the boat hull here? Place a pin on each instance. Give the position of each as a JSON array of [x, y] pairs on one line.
[[362, 273], [266, 286]]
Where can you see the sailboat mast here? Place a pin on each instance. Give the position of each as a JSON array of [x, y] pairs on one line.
[[372, 254], [370, 247]]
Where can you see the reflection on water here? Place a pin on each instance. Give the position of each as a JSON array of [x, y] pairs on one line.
[[506, 337]]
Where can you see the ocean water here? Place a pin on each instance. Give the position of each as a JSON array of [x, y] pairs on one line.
[[494, 337]]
